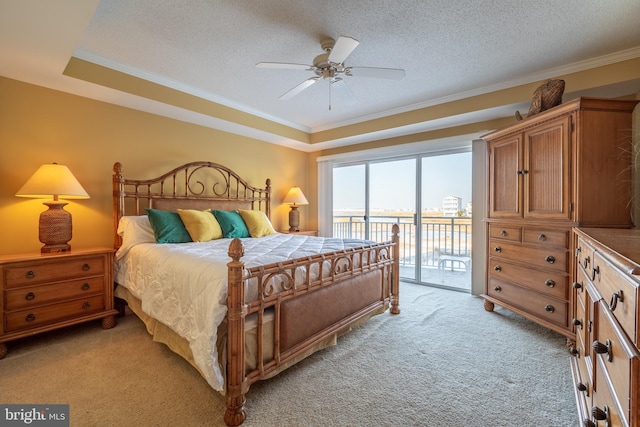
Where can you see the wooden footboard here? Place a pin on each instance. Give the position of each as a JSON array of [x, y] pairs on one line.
[[347, 286]]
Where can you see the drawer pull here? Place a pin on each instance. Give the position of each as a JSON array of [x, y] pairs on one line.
[[578, 250], [589, 423], [550, 283], [613, 303], [85, 286], [29, 296], [549, 308], [542, 237], [550, 259], [497, 289], [601, 414], [596, 270], [497, 268], [30, 274], [503, 233], [85, 267], [86, 305], [582, 387], [577, 285], [585, 262], [600, 348], [30, 317], [577, 322], [497, 249], [574, 351]]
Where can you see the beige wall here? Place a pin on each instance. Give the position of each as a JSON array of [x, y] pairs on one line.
[[38, 125]]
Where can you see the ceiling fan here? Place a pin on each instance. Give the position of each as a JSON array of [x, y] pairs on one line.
[[330, 66]]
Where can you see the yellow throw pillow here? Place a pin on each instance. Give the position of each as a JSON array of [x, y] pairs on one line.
[[257, 223], [202, 226]]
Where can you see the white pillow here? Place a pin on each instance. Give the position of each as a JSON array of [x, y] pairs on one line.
[[134, 230]]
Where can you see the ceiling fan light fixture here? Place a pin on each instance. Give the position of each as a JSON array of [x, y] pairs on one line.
[[330, 65]]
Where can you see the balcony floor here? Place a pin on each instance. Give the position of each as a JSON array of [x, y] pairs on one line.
[[458, 279]]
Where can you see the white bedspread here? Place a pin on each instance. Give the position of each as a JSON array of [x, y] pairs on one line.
[[185, 285]]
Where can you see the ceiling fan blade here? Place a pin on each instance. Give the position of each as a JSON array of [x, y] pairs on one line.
[[284, 65], [379, 73], [299, 88], [342, 49], [343, 91]]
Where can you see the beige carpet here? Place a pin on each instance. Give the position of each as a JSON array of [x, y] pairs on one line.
[[443, 362]]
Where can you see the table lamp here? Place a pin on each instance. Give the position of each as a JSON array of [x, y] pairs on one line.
[[54, 180], [295, 198]]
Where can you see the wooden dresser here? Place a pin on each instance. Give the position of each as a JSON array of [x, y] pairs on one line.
[[565, 167], [605, 361], [42, 292]]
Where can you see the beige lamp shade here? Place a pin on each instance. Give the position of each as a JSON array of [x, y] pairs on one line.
[[54, 181], [295, 198]]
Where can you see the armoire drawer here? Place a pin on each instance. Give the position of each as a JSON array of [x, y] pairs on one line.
[[505, 233], [541, 306], [547, 282], [544, 237], [552, 258]]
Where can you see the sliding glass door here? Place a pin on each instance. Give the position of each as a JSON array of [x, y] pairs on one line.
[[429, 197]]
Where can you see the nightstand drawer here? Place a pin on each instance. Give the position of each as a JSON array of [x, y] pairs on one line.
[[47, 271], [43, 315], [29, 296]]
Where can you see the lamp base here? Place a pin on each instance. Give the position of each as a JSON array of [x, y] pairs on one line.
[[55, 228], [294, 219]]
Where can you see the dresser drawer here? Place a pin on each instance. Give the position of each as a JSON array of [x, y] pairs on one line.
[[39, 272], [29, 296], [581, 323], [542, 306], [546, 237], [616, 355], [553, 258], [604, 400], [52, 313], [618, 291], [584, 255], [506, 233], [551, 283]]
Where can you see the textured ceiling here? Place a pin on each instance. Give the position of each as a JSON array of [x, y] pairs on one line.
[[447, 47], [452, 50]]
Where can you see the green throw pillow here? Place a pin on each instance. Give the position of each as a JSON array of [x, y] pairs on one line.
[[232, 224], [168, 227]]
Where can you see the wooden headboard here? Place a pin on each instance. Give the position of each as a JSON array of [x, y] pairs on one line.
[[195, 185]]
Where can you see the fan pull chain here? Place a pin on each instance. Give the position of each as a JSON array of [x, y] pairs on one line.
[[330, 83]]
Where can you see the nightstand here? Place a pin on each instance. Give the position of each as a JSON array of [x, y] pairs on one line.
[[43, 292], [301, 232]]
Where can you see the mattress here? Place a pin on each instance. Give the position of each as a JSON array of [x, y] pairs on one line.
[[184, 285]]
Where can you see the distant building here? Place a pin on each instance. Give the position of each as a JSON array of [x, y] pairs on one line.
[[451, 205], [468, 210]]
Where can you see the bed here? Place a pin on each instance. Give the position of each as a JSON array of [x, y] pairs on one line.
[[239, 309]]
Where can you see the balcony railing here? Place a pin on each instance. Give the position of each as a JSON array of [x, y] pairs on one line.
[[440, 236]]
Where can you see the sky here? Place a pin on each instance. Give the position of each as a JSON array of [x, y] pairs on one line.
[[393, 183]]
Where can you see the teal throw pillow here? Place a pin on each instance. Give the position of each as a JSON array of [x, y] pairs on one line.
[[168, 227], [231, 223]]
